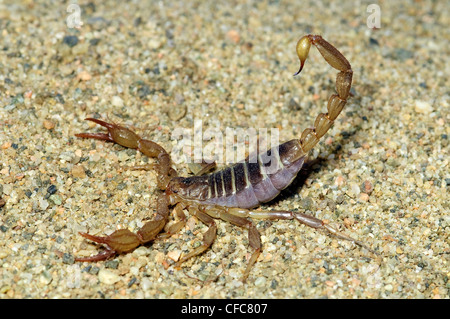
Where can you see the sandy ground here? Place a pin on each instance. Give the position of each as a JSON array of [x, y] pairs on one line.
[[381, 173]]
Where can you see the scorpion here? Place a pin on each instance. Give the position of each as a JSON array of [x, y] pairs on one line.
[[233, 193]]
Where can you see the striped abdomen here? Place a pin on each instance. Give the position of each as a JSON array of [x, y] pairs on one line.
[[248, 183]]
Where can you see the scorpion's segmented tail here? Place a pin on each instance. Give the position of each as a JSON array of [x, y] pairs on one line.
[[336, 103]]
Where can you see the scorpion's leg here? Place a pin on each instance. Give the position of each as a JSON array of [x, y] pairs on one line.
[[319, 224], [308, 220], [202, 168], [208, 237], [126, 137], [123, 240], [254, 237]]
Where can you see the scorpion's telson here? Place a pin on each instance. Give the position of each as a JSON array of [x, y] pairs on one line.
[[229, 194]]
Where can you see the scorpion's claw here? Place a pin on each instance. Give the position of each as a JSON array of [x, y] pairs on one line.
[[104, 255], [100, 122], [120, 241], [98, 136]]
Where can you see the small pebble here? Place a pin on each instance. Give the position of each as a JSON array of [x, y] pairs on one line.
[[59, 98], [94, 41], [4, 253], [108, 277], [340, 180], [52, 189], [423, 107], [349, 221], [340, 199], [49, 124], [174, 255], [131, 282], [367, 187], [117, 101], [113, 264], [84, 76], [307, 203], [56, 199], [293, 105], [260, 281], [234, 36], [45, 278], [177, 112], [146, 283], [373, 41], [43, 204], [68, 259], [364, 197], [78, 171], [94, 270], [354, 189], [70, 40]]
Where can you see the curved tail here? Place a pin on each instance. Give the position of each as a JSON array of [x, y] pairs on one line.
[[336, 102]]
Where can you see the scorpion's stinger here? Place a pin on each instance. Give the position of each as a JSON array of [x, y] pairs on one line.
[[303, 46]]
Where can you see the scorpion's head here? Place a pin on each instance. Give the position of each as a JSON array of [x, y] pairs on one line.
[[195, 187]]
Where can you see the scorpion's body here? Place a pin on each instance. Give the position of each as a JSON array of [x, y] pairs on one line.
[[232, 193], [246, 184]]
